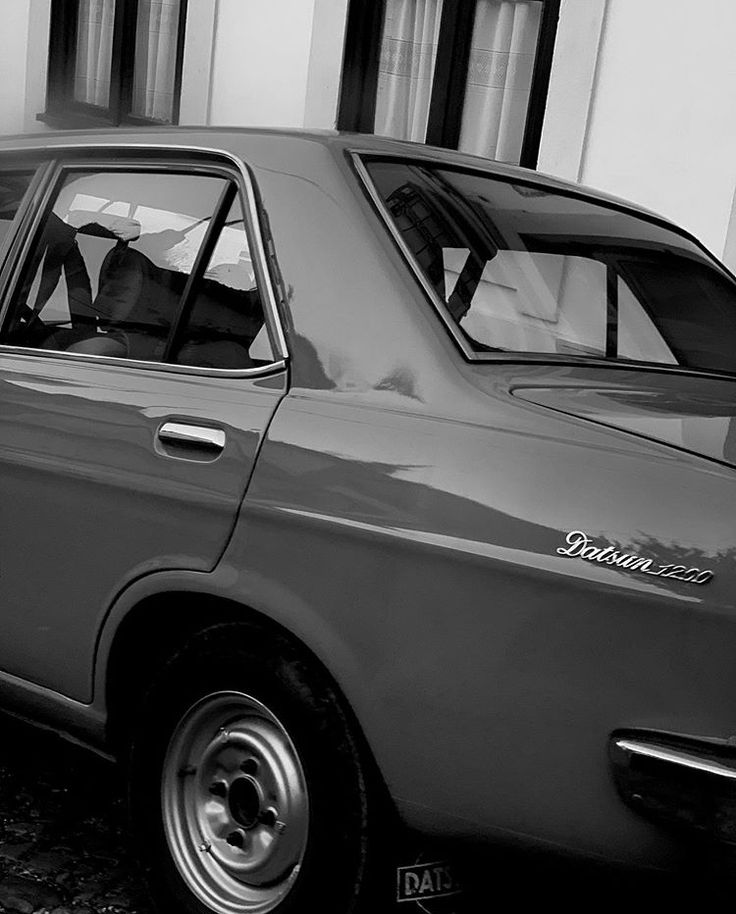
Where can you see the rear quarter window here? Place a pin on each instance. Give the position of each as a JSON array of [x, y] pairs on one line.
[[518, 268]]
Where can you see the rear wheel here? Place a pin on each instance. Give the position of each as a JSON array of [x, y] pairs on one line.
[[248, 787]]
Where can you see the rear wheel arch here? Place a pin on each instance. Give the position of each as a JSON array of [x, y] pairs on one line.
[[149, 633], [158, 626], [176, 631]]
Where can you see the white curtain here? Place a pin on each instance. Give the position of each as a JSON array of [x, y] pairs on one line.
[[94, 51], [406, 67], [155, 58], [499, 78]]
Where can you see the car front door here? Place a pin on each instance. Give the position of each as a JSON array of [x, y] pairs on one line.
[[140, 364]]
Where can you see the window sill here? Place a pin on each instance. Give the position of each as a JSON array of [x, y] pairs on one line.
[[73, 120], [79, 120]]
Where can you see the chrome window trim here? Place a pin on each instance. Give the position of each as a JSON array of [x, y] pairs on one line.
[[168, 367], [274, 324]]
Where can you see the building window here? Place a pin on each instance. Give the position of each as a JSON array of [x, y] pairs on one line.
[[115, 62], [465, 74]]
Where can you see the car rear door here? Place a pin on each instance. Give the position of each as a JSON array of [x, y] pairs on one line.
[[141, 360]]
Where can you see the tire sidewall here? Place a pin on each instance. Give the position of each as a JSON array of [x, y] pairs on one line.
[[269, 669]]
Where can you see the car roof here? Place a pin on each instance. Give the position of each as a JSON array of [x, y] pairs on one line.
[[234, 140]]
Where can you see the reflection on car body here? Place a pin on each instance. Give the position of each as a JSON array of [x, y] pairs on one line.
[[349, 480]]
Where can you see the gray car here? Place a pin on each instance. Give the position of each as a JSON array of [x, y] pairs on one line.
[[351, 485]]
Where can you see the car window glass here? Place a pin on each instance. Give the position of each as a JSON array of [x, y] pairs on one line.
[[539, 303], [225, 327], [525, 269], [13, 186], [111, 264], [638, 337]]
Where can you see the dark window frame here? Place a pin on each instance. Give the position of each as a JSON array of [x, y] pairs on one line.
[[62, 109], [357, 108]]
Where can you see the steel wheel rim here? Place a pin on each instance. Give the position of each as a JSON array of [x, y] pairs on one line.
[[235, 804]]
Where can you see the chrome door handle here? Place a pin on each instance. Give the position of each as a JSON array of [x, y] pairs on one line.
[[196, 436]]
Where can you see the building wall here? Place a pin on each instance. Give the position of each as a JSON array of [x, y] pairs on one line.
[[662, 120], [325, 63], [266, 63], [571, 87], [13, 48], [642, 98], [261, 62]]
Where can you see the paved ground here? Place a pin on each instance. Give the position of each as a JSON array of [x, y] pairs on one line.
[[62, 830], [64, 848]]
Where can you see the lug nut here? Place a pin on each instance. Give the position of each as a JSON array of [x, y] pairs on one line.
[[218, 789], [269, 817]]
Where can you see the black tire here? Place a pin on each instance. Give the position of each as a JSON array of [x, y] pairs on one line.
[[262, 726]]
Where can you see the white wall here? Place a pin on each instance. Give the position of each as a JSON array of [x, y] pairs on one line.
[[196, 75], [246, 62], [261, 62], [571, 87], [13, 48], [325, 63], [642, 98], [37, 60], [662, 129]]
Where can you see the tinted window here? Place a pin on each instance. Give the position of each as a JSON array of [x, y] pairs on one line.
[[521, 269], [13, 185], [225, 323], [112, 269]]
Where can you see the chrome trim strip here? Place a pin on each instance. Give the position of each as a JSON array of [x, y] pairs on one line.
[[676, 757], [275, 328], [439, 305], [260, 260], [169, 367], [197, 435]]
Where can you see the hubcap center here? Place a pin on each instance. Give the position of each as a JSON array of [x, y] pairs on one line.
[[244, 800]]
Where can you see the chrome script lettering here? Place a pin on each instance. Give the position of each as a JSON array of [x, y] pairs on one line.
[[580, 545]]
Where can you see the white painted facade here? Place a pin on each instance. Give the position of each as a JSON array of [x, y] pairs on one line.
[[15, 38], [642, 99], [661, 126]]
